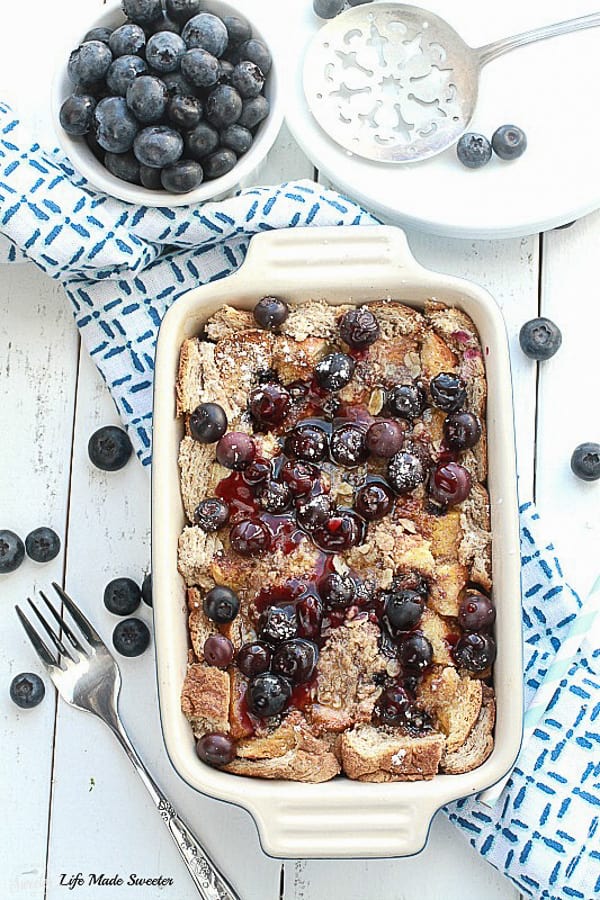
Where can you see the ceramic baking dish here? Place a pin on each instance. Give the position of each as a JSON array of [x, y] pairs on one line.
[[339, 265]]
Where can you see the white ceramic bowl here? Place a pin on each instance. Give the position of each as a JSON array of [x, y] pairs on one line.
[[86, 163], [341, 818]]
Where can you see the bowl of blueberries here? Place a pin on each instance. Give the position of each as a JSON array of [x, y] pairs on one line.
[[167, 102]]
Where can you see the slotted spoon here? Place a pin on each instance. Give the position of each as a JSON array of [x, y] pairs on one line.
[[395, 83]]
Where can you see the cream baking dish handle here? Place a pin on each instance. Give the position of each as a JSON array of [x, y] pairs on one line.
[[366, 254]]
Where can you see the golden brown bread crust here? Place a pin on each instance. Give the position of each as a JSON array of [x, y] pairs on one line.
[[335, 732]]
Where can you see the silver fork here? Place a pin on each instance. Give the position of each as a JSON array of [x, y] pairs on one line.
[[87, 676]]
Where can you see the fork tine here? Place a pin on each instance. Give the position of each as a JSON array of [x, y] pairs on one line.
[[64, 625], [38, 644], [85, 626], [54, 637]]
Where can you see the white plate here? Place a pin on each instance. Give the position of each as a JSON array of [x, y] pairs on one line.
[[549, 89]]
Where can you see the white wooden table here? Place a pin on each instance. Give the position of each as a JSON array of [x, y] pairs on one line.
[[71, 803]]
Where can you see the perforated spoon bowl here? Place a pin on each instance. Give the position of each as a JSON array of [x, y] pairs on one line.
[[395, 83]]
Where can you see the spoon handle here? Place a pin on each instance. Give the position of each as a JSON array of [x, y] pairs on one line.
[[498, 48]]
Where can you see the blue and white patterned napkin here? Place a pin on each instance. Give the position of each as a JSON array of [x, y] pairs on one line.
[[122, 267]]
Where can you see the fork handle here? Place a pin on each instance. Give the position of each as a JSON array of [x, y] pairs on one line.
[[209, 881]]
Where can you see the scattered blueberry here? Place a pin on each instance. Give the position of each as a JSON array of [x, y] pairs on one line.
[[269, 403], [165, 24], [374, 501], [585, 461], [201, 141], [449, 484], [219, 163], [221, 605], [268, 694], [336, 590], [143, 12], [314, 513], [164, 51], [295, 660], [254, 658], [247, 79], [540, 338], [270, 312], [147, 99], [403, 609], [182, 10], [258, 471], [123, 72], [238, 30], [223, 106], [200, 68], [476, 612], [208, 423], [359, 328], [405, 472], [147, 589], [127, 40], [385, 438], [257, 52], [158, 146], [124, 166], [328, 9], [348, 446], [509, 142], [307, 442], [122, 596], [474, 150], [77, 114], [407, 401], [131, 637], [12, 551], [254, 111], [415, 652], [250, 539], [211, 514], [182, 176], [274, 497], [42, 545], [27, 690], [89, 63], [207, 32], [335, 371], [448, 391], [218, 651], [176, 84], [115, 125], [226, 71], [235, 450], [475, 652], [184, 111], [237, 138], [462, 430], [216, 749], [277, 623], [109, 448]]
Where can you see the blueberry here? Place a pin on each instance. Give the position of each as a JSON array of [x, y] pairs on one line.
[[177, 85], [295, 660], [164, 51], [247, 79], [150, 178], [226, 71], [147, 99], [277, 623], [585, 461], [98, 34], [147, 589], [128, 40], [540, 338], [328, 9], [216, 749], [143, 12], [254, 111], [385, 438], [123, 71], [42, 545], [335, 371], [337, 591], [249, 538], [165, 24], [182, 10], [509, 142], [27, 690], [131, 637], [122, 596], [476, 612], [348, 446], [208, 423], [89, 63], [12, 551], [403, 609], [475, 652], [415, 652], [314, 513], [307, 442], [211, 514], [270, 312], [184, 112], [219, 163], [254, 658], [115, 125], [474, 150], [182, 176], [359, 328], [268, 694], [449, 483], [223, 106], [236, 138], [274, 497], [109, 448], [207, 32], [201, 141], [94, 146], [407, 401], [200, 68], [256, 52], [374, 501], [158, 146], [124, 166], [238, 30], [221, 605], [448, 391], [269, 403], [462, 430], [405, 472], [77, 114], [218, 651]]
